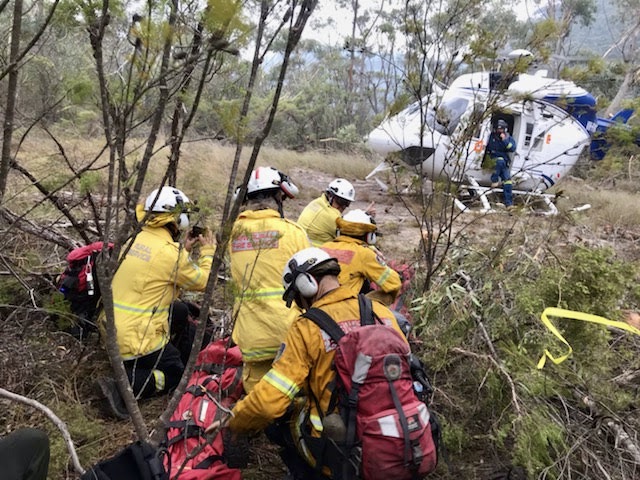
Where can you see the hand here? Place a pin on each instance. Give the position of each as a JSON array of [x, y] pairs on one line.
[[204, 238], [216, 425], [503, 136]]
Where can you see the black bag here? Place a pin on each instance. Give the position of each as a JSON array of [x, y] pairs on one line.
[[138, 461]]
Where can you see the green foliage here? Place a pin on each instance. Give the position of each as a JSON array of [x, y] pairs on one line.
[[348, 134], [89, 181], [224, 15], [454, 436], [80, 89], [591, 280], [10, 290], [84, 431], [60, 311], [538, 441]]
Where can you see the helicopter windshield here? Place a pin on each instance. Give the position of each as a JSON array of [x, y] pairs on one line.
[[446, 117]]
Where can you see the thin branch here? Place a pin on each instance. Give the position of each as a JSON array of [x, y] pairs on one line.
[[622, 438], [54, 418], [514, 394]]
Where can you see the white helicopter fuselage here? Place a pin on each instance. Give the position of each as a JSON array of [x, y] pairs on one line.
[[446, 135]]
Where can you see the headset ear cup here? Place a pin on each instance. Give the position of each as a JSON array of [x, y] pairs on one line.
[[289, 189], [183, 221], [372, 238], [306, 285]]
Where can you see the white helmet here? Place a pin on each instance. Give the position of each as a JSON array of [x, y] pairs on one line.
[[343, 189], [297, 280], [170, 199], [269, 179], [358, 216]]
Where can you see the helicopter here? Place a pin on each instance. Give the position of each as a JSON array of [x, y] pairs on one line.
[[551, 120]]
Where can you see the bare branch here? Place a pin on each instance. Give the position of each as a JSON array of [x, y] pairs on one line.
[[54, 418]]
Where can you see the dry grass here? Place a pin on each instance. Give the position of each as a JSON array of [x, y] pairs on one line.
[[205, 168], [613, 209]]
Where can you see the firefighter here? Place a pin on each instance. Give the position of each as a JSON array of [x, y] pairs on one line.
[[146, 285], [360, 261], [262, 242], [318, 218], [304, 363]]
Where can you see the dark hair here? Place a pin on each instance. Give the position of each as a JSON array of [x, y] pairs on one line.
[[328, 267], [341, 201]]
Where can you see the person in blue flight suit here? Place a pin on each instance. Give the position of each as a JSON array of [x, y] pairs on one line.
[[499, 146]]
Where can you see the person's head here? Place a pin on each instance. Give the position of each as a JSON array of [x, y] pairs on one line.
[[358, 224], [168, 206], [501, 126], [340, 193], [304, 274], [268, 183]]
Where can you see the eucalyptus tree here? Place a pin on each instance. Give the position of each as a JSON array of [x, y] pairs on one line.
[[627, 47], [18, 46], [549, 36]]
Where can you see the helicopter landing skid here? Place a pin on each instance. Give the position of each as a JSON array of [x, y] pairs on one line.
[[472, 193]]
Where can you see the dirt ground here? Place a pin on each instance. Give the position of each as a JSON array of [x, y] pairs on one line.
[[400, 232]]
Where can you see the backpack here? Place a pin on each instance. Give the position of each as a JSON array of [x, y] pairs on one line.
[[79, 285], [215, 384], [388, 428], [137, 461]]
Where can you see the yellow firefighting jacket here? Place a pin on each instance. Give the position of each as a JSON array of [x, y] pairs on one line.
[[304, 360], [149, 279], [319, 220], [262, 242], [359, 262]]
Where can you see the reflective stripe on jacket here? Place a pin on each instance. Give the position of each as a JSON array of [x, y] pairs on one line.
[[318, 219], [360, 262], [305, 360], [149, 279], [262, 242]]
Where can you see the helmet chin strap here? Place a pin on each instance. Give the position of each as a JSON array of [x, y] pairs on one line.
[[278, 198], [303, 302]]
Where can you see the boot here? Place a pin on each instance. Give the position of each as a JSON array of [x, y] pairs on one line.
[[112, 400]]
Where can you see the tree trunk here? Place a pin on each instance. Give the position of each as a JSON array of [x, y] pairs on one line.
[[12, 93]]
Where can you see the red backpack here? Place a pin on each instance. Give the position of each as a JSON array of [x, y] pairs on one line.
[[79, 285], [387, 425], [215, 384]]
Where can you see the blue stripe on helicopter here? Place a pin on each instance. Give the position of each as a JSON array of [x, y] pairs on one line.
[[550, 183]]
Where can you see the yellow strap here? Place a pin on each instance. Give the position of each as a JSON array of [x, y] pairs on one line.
[[585, 317]]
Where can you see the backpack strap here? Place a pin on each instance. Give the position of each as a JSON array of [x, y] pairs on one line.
[[331, 327], [323, 320], [366, 310]]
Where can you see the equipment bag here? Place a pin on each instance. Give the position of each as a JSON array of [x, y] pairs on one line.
[[386, 424], [216, 384], [138, 461], [79, 284]]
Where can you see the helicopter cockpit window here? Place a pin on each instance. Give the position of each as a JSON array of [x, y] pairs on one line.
[[447, 115]]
